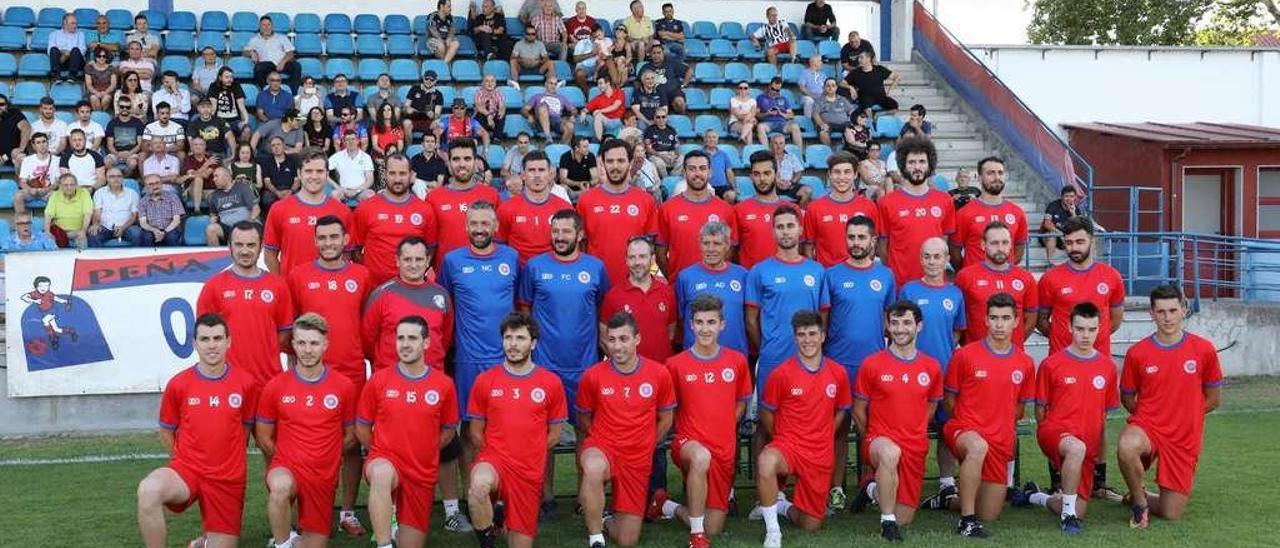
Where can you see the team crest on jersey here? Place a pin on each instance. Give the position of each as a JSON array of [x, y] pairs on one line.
[[584, 277], [234, 400], [415, 219], [735, 285], [662, 307], [1099, 382], [948, 305], [1189, 366], [267, 295], [538, 395], [713, 218], [438, 300], [432, 397], [1009, 219], [831, 390], [633, 210], [809, 280], [1103, 288], [936, 212], [646, 390], [351, 286], [876, 286], [330, 401], [1017, 285], [504, 269], [923, 379], [727, 374], [1017, 377]]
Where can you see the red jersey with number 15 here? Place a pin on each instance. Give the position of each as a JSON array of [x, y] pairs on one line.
[[256, 310], [291, 229], [909, 220], [680, 221], [613, 218], [989, 388], [525, 225], [1169, 383], [824, 225], [979, 282], [380, 223], [311, 417], [1064, 286], [338, 295], [407, 415], [450, 206], [516, 410], [898, 393], [208, 417], [707, 390]]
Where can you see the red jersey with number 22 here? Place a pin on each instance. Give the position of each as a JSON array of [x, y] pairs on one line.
[[613, 218], [208, 417]]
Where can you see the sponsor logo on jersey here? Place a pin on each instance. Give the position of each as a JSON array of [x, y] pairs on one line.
[[392, 393], [886, 378], [1068, 380], [980, 374]]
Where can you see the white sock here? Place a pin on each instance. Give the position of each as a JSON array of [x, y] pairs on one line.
[[783, 505], [871, 492], [889, 517], [695, 525], [285, 544], [1009, 474], [1038, 499], [592, 539], [450, 507], [730, 493], [1069, 505], [669, 509], [770, 514], [344, 514], [387, 545], [947, 481]]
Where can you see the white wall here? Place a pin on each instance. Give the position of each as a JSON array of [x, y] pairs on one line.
[[1088, 84]]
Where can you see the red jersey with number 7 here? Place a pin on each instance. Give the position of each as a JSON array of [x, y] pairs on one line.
[[624, 406]]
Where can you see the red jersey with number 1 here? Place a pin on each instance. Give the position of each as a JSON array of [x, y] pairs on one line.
[[310, 417], [209, 418], [291, 229], [979, 282], [898, 393], [680, 221], [525, 225], [708, 390], [450, 206], [1077, 393], [256, 310], [338, 295], [755, 230], [613, 218], [989, 388], [1169, 383], [1064, 286], [407, 415], [517, 410], [380, 223], [909, 220], [972, 221], [624, 406], [824, 225]]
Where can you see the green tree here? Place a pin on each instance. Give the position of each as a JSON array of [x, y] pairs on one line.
[[1238, 22], [1115, 22]]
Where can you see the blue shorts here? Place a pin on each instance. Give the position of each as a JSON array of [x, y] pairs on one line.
[[464, 377], [570, 381]]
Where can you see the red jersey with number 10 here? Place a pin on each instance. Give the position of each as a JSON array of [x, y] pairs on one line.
[[708, 389], [1064, 286], [310, 419], [909, 220], [1169, 383], [613, 218], [898, 393], [256, 310], [1077, 393], [517, 412], [525, 225], [407, 415], [680, 221], [291, 229], [338, 295], [208, 417], [825, 225], [624, 406], [989, 388], [450, 206]]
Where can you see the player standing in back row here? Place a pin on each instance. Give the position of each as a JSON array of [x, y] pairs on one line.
[[971, 222], [681, 218], [915, 212], [290, 226], [826, 219], [383, 221], [616, 211], [450, 202]]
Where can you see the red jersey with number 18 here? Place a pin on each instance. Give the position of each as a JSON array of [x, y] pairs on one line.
[[707, 389], [1169, 382], [380, 223], [624, 406], [610, 219], [256, 310], [898, 393], [338, 295], [209, 417], [989, 387], [525, 225], [909, 220], [310, 419], [291, 229], [516, 411], [825, 225], [407, 415]]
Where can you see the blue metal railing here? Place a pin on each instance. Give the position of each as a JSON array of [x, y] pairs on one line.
[[1132, 211], [1204, 266]]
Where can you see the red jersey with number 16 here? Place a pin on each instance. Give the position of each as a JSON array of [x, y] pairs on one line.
[[338, 295], [450, 206], [898, 393], [1169, 382], [291, 229], [310, 419], [824, 225], [708, 389], [256, 310], [407, 415], [516, 411], [525, 225], [208, 417], [989, 388], [613, 218], [380, 223]]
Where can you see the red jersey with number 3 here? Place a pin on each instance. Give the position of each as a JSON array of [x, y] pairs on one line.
[[256, 310], [517, 411], [450, 206], [680, 221], [972, 221], [824, 225], [909, 220], [338, 295], [310, 418], [755, 230], [380, 223], [1169, 383], [209, 418], [804, 402], [1077, 393], [613, 218], [1064, 286], [707, 389], [291, 229], [989, 388], [407, 415], [525, 225], [979, 282], [624, 406], [898, 393]]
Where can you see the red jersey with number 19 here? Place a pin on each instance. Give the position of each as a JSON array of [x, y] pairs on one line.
[[291, 229], [898, 393], [380, 223], [707, 389], [825, 225], [209, 417], [610, 219], [525, 225], [909, 220], [310, 419], [338, 295], [516, 411], [450, 206], [989, 388], [1064, 286], [1169, 382], [407, 415], [624, 406], [256, 310], [680, 222]]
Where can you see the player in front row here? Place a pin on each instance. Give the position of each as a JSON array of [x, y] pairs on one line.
[[896, 394], [624, 407], [708, 380], [205, 415], [803, 400], [1171, 380], [1075, 389], [511, 406], [305, 419], [407, 413], [987, 388]]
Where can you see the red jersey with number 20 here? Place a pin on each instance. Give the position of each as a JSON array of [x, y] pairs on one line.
[[898, 393], [989, 388], [311, 418], [256, 311], [208, 417], [291, 229], [1169, 382], [707, 389], [909, 220], [624, 406], [407, 415], [337, 295], [517, 412]]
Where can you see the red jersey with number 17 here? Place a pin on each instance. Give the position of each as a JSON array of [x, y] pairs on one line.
[[680, 221], [989, 387], [291, 229], [380, 223], [516, 410], [407, 415], [1169, 382], [624, 406], [338, 295], [979, 282], [755, 230], [1077, 392], [707, 389], [612, 218], [824, 225], [972, 221], [909, 220], [310, 417], [1064, 286], [256, 310], [208, 417], [450, 206], [898, 393], [525, 225]]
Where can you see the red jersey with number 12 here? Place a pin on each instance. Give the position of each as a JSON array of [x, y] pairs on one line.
[[707, 390]]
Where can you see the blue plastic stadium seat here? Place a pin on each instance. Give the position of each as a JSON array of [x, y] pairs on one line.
[[396, 24], [7, 190], [466, 70], [307, 22], [807, 128], [193, 230], [178, 63], [369, 69], [530, 91], [511, 98], [513, 125], [705, 122], [804, 50], [368, 23], [242, 67], [792, 99], [885, 150], [39, 39], [499, 69], [468, 94], [815, 184], [179, 42], [280, 21], [8, 64], [34, 64], [250, 96], [212, 39], [66, 116], [696, 50], [735, 160], [246, 21], [404, 70], [102, 118], [516, 28], [120, 19], [370, 45], [731, 30], [239, 40], [459, 24], [50, 18], [574, 95], [335, 66], [604, 26], [816, 156], [339, 44], [753, 27], [494, 155], [156, 20], [214, 21], [4, 88], [563, 70], [830, 50], [707, 73], [748, 150], [311, 67], [133, 184], [400, 45], [13, 38], [791, 72], [705, 30], [442, 69], [19, 16], [744, 186], [184, 21], [466, 46], [337, 23], [420, 25], [308, 44], [736, 72], [696, 99], [762, 73], [887, 127], [28, 94], [682, 125], [86, 17], [722, 49], [555, 151], [748, 50]]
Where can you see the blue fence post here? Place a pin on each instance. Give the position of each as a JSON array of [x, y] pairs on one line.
[[886, 30]]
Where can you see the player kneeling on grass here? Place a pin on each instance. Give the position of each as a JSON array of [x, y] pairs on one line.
[[1075, 389], [205, 415], [803, 400], [988, 385], [709, 379], [624, 407], [407, 413], [305, 421], [1170, 381], [896, 393], [511, 407]]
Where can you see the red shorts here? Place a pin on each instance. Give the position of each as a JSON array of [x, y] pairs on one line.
[[413, 499], [813, 478], [784, 47], [719, 474], [910, 470], [629, 476], [314, 498], [1050, 439], [221, 502], [1176, 470], [521, 496], [995, 469]]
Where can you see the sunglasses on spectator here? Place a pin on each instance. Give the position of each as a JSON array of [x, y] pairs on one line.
[[22, 223], [4, 104], [274, 80], [346, 114], [124, 105], [742, 87]]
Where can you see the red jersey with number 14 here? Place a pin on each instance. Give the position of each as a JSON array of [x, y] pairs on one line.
[[1169, 383], [1076, 393], [979, 282], [708, 390], [338, 295], [310, 418], [613, 218], [291, 229], [407, 415], [209, 418], [517, 411], [525, 225], [680, 221], [624, 406], [380, 223], [824, 225], [989, 388], [898, 393], [256, 310], [909, 220], [1064, 286], [450, 206]]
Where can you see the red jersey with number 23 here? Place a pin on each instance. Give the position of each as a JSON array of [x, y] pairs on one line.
[[311, 418], [291, 229], [707, 390], [407, 415], [256, 311], [209, 418]]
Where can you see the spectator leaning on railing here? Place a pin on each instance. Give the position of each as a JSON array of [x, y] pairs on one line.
[[1056, 215]]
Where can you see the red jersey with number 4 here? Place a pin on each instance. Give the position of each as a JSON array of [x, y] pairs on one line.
[[971, 222], [680, 221], [909, 220], [291, 229], [824, 225], [979, 282], [755, 230], [1077, 393], [898, 393], [407, 415], [989, 388], [310, 418], [654, 310], [624, 406], [256, 310], [1064, 286], [338, 295], [611, 219], [517, 411], [708, 390], [380, 223], [1169, 383], [450, 206], [209, 418], [392, 301], [803, 403], [525, 225]]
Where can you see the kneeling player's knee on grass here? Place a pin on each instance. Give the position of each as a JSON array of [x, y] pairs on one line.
[[975, 447], [1073, 449], [767, 463]]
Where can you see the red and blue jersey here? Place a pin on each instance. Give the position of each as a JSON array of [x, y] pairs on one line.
[[729, 284], [484, 292], [855, 300], [780, 289], [563, 297], [942, 307], [391, 302]]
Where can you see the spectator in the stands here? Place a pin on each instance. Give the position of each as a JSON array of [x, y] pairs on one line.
[[619, 57], [873, 173], [68, 213], [857, 137], [273, 100], [49, 124], [429, 168], [93, 131], [528, 56], [386, 136], [588, 57], [1056, 215], [775, 114], [316, 128], [811, 83], [343, 97], [160, 215], [819, 22], [228, 103], [640, 32], [962, 193], [135, 62], [383, 94], [551, 30], [105, 37], [790, 169], [856, 46], [423, 106], [100, 80], [644, 174], [662, 144], [774, 36], [460, 123], [529, 8], [647, 98], [37, 174], [309, 96], [196, 173], [288, 128], [513, 157], [581, 26], [178, 99], [743, 113], [272, 52], [205, 71], [15, 131], [245, 169], [164, 129], [163, 165], [26, 239], [230, 202], [630, 130], [721, 177], [86, 165], [871, 85], [578, 170], [606, 108], [131, 93], [67, 51], [124, 138], [489, 30], [491, 106], [354, 170], [477, 6], [550, 111], [916, 124], [672, 75], [115, 212], [442, 40], [212, 130], [347, 123], [279, 174], [832, 113], [147, 40], [670, 32]]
